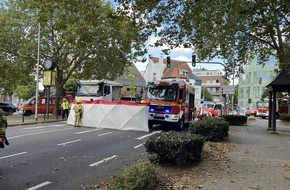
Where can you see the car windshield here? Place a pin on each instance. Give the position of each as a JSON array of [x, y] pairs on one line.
[[161, 93]]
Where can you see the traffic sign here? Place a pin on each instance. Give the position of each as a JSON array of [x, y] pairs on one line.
[[228, 89]]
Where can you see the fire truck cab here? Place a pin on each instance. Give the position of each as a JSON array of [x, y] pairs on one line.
[[283, 107], [171, 102]]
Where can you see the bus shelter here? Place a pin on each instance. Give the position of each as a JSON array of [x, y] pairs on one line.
[[280, 84]]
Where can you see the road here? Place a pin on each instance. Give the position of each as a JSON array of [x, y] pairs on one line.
[[59, 156]]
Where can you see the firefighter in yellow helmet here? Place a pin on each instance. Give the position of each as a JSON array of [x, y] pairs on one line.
[[3, 127], [78, 112]]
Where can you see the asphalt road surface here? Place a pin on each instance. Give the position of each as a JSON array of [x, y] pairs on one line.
[[59, 156]]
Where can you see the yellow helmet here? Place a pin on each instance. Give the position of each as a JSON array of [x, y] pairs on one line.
[[79, 100]]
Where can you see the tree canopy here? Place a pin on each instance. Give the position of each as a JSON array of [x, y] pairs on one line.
[[85, 38], [234, 30]]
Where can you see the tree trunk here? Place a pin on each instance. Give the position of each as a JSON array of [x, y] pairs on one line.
[[59, 91]]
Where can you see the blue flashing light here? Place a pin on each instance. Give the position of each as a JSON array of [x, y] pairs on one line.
[[167, 110], [152, 109]]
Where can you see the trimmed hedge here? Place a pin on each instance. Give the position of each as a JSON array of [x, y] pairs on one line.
[[139, 176], [174, 148], [236, 119], [285, 117], [212, 128]]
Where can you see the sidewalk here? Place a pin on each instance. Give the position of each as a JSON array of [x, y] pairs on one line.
[[17, 119], [259, 160]]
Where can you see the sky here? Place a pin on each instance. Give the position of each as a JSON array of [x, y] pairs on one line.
[[182, 54]]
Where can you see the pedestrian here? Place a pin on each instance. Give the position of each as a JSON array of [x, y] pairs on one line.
[[78, 112], [65, 108], [3, 127]]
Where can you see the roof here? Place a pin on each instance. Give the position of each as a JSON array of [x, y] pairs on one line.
[[281, 83], [173, 71], [140, 81]]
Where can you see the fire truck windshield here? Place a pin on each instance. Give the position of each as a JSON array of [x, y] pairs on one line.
[[261, 104], [90, 90], [161, 93]]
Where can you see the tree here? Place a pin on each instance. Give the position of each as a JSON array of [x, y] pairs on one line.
[[25, 91], [205, 94], [235, 30], [236, 95], [85, 38], [132, 85]]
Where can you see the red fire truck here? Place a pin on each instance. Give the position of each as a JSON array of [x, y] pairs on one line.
[[171, 102], [263, 108]]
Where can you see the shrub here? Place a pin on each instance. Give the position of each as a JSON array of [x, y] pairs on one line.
[[174, 148], [212, 128], [139, 176], [285, 117], [235, 119]]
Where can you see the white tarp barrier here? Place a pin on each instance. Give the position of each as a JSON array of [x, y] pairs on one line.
[[120, 115]]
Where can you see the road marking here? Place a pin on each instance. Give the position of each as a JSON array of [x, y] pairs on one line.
[[69, 142], [44, 126], [39, 185], [104, 160], [17, 154], [142, 137], [87, 131], [138, 146], [39, 133], [35, 127], [104, 134]]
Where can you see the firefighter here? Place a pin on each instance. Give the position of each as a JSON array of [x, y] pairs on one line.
[[65, 108], [3, 127], [78, 112]]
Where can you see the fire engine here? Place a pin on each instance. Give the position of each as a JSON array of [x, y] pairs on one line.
[[171, 102], [263, 108], [210, 109]]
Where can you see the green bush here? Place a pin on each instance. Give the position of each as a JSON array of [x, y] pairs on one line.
[[174, 148], [212, 128], [139, 176], [236, 119], [285, 117]]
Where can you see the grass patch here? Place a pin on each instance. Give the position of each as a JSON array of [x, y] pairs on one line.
[[285, 123], [251, 120]]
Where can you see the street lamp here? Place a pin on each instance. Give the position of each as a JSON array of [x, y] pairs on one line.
[[37, 74]]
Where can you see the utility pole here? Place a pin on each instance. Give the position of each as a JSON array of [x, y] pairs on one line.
[[37, 74]]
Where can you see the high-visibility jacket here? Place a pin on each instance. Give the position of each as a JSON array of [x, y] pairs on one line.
[[78, 108], [65, 105]]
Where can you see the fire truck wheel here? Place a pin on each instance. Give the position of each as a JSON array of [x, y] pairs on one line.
[[150, 124], [180, 125]]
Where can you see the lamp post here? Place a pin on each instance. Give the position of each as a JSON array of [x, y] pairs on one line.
[[37, 74]]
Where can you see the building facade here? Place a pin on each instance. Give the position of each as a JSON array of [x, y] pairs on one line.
[[213, 81], [156, 70], [253, 82]]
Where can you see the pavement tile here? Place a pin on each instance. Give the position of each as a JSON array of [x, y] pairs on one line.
[[260, 160]]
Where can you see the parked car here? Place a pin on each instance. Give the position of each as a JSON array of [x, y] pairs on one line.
[[251, 111], [8, 107], [28, 108]]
